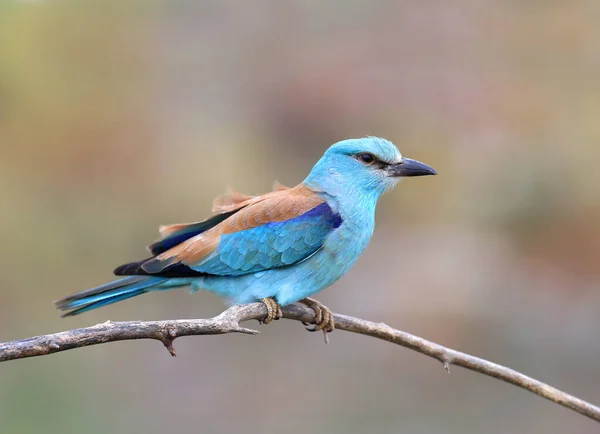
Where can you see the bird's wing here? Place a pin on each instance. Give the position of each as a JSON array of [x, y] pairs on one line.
[[270, 231], [224, 207], [172, 235]]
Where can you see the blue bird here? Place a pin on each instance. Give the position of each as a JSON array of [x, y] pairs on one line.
[[278, 248]]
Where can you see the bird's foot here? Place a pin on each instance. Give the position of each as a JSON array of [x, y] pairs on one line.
[[273, 310], [323, 317]]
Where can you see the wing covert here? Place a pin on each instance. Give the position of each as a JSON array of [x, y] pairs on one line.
[[262, 232], [273, 245]]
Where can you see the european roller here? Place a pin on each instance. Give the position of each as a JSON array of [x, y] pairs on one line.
[[278, 248]]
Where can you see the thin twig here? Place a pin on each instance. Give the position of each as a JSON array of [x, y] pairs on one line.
[[229, 322]]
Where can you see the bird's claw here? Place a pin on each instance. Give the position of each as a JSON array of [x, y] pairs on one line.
[[273, 310], [323, 317]]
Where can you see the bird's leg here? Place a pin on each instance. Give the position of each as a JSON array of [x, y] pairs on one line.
[[323, 317], [273, 310]]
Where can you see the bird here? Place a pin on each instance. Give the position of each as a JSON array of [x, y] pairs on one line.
[[278, 248]]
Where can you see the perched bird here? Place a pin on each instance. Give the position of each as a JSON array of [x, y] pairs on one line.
[[278, 248]]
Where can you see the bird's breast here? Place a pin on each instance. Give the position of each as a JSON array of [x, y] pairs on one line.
[[350, 239]]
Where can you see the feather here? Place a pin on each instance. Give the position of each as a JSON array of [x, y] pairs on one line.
[[106, 294], [274, 230]]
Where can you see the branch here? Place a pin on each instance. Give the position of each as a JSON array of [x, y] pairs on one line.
[[229, 322]]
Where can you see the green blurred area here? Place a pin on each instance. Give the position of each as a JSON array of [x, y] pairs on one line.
[[118, 116]]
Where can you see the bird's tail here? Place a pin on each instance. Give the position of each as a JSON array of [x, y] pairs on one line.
[[109, 293]]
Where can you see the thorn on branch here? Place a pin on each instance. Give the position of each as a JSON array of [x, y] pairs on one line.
[[169, 346], [168, 338], [446, 362], [246, 331]]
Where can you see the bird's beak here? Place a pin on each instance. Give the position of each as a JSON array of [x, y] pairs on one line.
[[408, 167]]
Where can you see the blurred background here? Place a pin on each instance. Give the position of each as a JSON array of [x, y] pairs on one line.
[[118, 116]]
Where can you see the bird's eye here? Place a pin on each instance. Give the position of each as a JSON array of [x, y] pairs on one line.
[[366, 158]]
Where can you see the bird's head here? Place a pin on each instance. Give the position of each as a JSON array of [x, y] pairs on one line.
[[370, 165]]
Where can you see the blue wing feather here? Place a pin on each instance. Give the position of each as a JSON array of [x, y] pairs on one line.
[[273, 245]]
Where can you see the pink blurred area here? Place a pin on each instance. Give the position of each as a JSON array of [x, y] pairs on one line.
[[116, 117]]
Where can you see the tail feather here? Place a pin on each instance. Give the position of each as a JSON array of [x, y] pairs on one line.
[[103, 302], [110, 293]]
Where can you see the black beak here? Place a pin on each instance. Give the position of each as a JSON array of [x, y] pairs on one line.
[[408, 167]]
